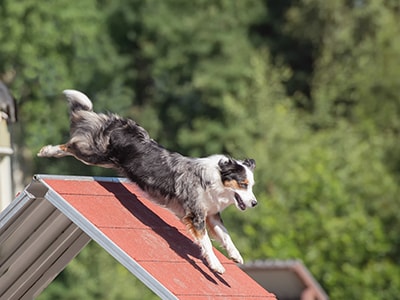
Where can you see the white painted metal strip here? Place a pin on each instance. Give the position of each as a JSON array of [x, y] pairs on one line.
[[41, 177]]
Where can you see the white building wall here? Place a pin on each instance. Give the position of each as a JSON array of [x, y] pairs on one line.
[[6, 182]]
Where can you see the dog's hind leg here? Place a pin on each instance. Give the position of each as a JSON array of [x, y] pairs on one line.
[[220, 233], [196, 226], [54, 151]]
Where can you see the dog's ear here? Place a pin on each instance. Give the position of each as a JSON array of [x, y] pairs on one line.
[[250, 163], [228, 167], [226, 161]]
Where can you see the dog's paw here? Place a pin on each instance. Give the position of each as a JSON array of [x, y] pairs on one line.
[[214, 264], [235, 256], [52, 151], [45, 151], [217, 268]]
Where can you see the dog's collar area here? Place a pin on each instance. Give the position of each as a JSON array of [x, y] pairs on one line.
[[240, 202]]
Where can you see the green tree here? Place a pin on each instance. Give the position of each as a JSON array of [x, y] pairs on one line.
[[306, 87], [319, 201], [186, 57], [44, 49], [335, 203]]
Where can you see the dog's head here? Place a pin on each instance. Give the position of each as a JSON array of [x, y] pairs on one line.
[[237, 176]]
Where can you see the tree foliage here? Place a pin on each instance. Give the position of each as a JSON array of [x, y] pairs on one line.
[[306, 87]]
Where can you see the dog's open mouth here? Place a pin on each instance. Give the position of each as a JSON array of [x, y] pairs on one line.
[[240, 202]]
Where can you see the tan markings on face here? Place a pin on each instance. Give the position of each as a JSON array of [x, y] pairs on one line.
[[236, 185]]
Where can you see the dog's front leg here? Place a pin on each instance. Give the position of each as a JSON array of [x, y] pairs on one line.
[[220, 233], [54, 151], [209, 255], [196, 226]]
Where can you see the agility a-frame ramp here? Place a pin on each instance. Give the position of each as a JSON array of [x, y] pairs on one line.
[[55, 217]]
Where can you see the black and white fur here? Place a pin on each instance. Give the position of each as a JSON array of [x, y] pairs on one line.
[[196, 190]]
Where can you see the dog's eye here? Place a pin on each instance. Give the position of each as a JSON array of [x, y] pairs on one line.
[[244, 185]]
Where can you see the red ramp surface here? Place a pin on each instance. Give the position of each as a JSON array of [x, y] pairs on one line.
[[147, 239]]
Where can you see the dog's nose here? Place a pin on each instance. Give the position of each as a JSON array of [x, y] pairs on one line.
[[254, 203]]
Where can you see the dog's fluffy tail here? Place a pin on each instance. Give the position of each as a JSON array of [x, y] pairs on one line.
[[78, 100]]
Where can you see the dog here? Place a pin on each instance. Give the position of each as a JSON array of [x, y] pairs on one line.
[[196, 190]]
